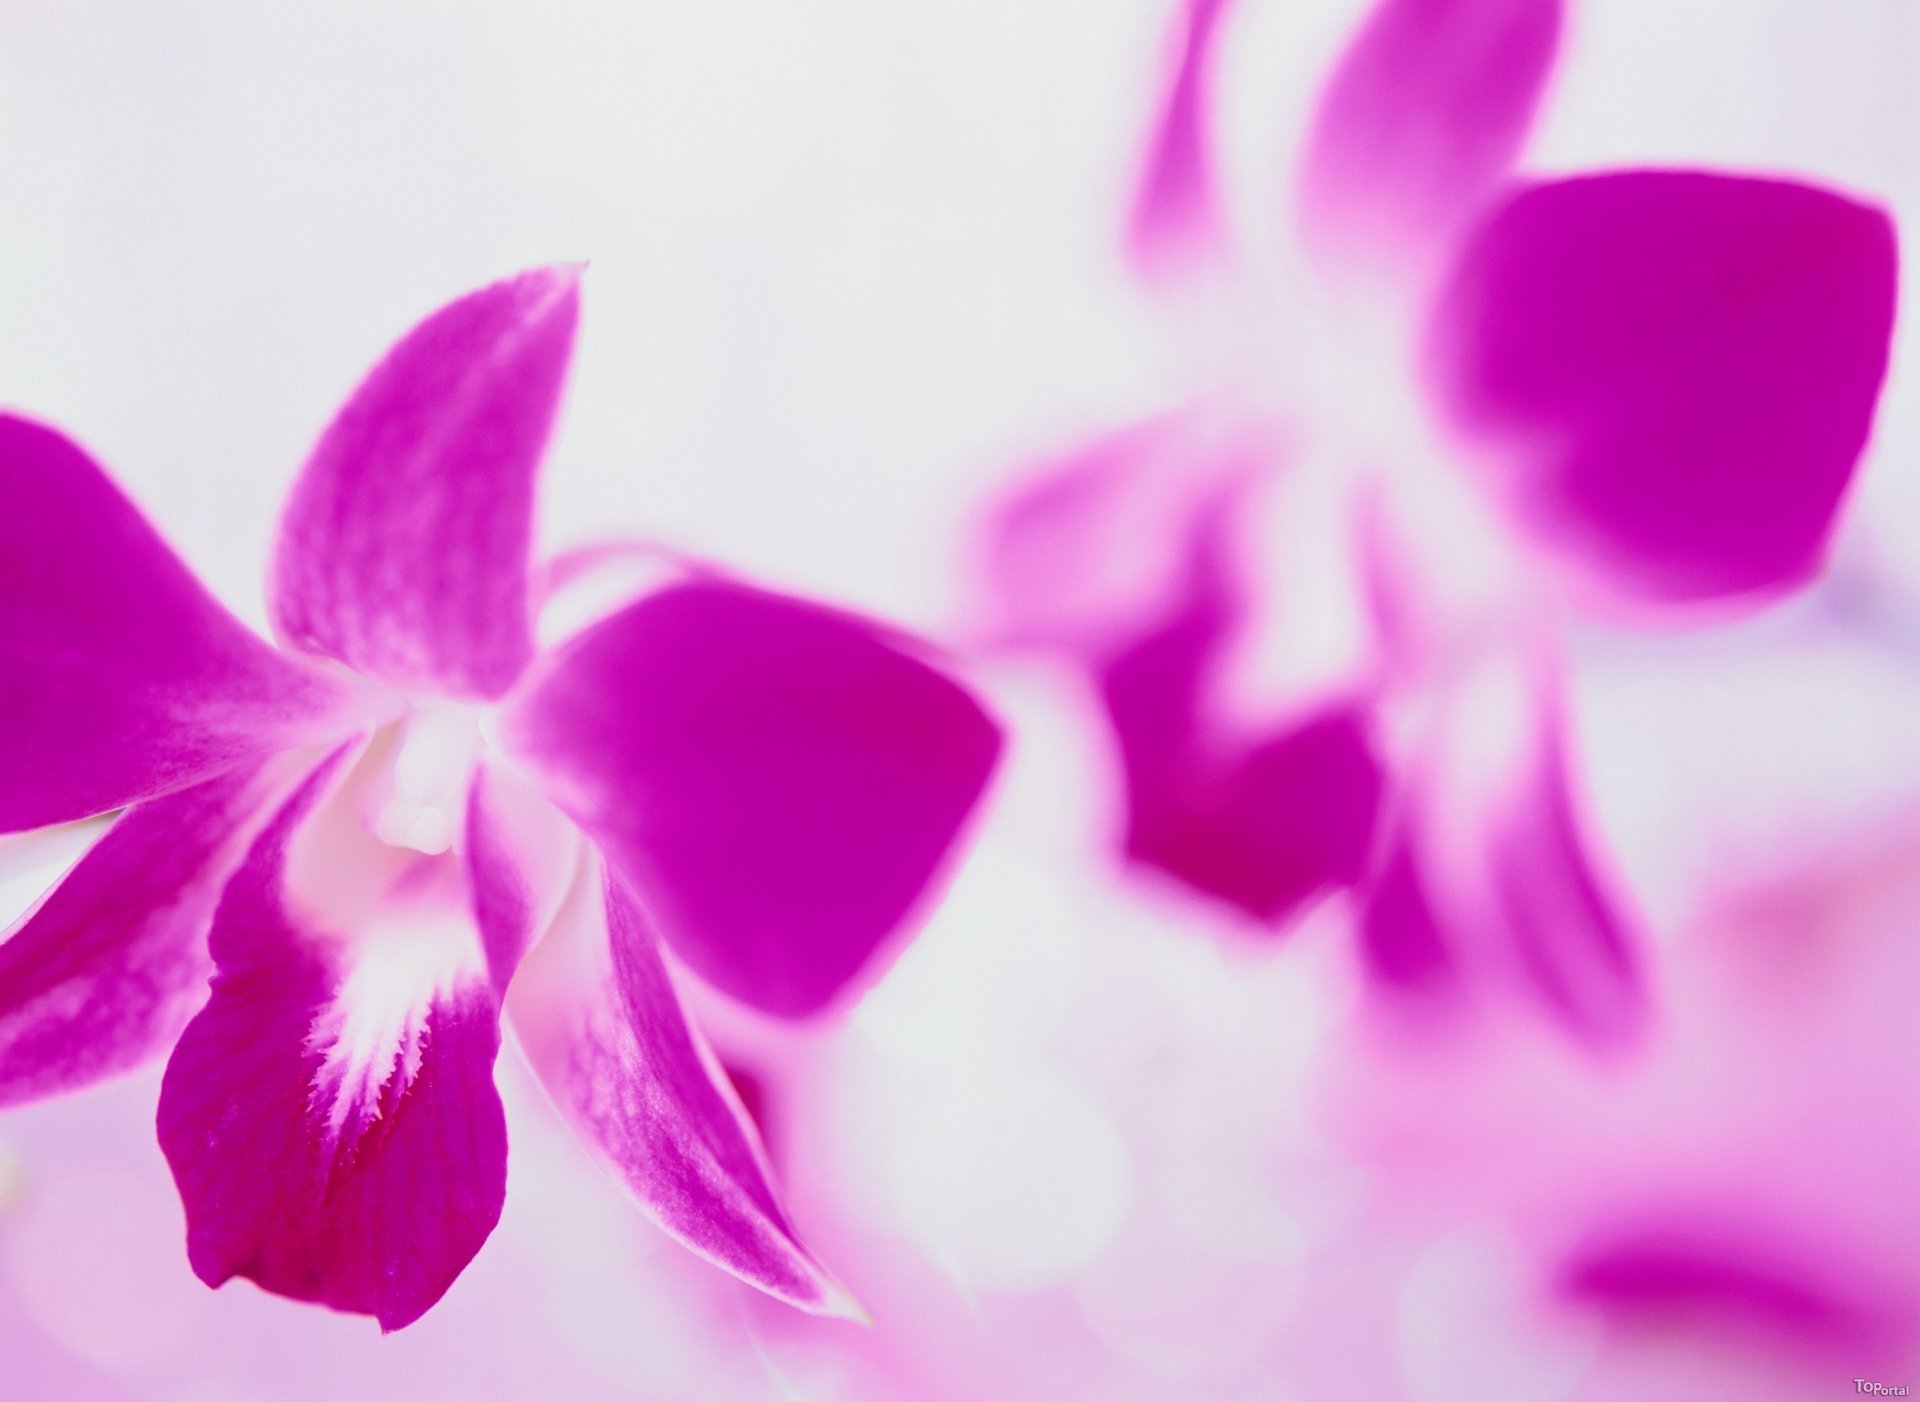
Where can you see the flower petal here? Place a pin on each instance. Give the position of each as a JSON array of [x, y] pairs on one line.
[[330, 1115], [404, 548], [123, 679], [1421, 119], [1263, 825], [107, 969], [1266, 832], [1175, 208], [1678, 370], [521, 856], [1400, 935], [596, 1013], [1154, 688], [781, 782], [1738, 1276], [1571, 940], [1090, 546]]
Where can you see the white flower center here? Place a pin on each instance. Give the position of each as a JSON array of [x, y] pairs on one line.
[[423, 804]]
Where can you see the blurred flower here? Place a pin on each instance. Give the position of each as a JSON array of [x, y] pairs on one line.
[[1451, 411], [1743, 1190], [769, 785]]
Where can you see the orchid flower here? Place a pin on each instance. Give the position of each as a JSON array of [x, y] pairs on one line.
[[1500, 405], [404, 822]]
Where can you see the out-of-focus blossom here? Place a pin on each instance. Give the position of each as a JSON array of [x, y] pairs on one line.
[[1451, 409], [379, 839], [1739, 1199]]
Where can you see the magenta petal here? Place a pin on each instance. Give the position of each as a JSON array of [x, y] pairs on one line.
[[1263, 826], [1400, 935], [521, 857], [1269, 830], [1154, 688], [330, 1115], [1422, 117], [597, 1016], [1175, 208], [1743, 1278], [1679, 370], [108, 968], [780, 782], [404, 548], [1084, 546], [1569, 937], [123, 679]]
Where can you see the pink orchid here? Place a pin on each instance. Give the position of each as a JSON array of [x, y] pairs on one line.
[[1636, 396], [379, 839]]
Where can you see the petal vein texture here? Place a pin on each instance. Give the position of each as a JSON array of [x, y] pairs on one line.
[[597, 1015], [330, 1115], [121, 678], [403, 552], [107, 969]]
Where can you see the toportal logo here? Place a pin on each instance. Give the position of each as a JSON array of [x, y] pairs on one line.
[[1872, 1389]]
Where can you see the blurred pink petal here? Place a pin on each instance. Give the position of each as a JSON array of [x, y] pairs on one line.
[[1677, 371], [1155, 687], [1572, 942], [1176, 209], [403, 552], [1736, 1279], [598, 1017], [1505, 867], [1271, 828], [330, 1115], [1261, 824], [781, 782], [1096, 541], [124, 679], [1421, 119], [1400, 936], [107, 969]]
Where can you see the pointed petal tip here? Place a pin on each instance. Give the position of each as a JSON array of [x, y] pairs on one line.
[[562, 278], [404, 549], [393, 1321], [596, 1013], [817, 1291], [838, 1302]]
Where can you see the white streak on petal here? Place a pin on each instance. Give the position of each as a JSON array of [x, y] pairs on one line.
[[372, 1035]]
